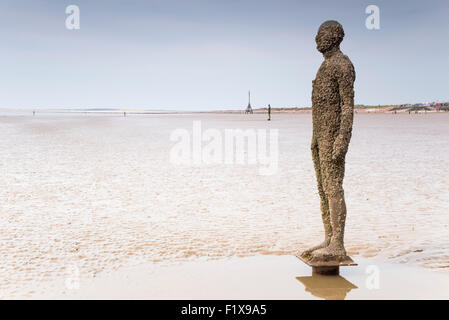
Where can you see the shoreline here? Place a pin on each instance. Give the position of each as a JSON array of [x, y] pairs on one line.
[[255, 277], [357, 110]]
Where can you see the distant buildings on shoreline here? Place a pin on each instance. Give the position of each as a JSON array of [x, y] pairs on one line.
[[401, 108], [420, 107], [408, 107]]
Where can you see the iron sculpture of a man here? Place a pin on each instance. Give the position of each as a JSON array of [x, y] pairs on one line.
[[333, 110]]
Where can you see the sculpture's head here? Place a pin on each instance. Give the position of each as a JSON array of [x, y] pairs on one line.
[[330, 35]]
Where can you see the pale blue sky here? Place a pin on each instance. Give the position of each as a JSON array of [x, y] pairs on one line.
[[206, 54]]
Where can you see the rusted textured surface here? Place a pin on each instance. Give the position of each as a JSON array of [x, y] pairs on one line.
[[333, 109]]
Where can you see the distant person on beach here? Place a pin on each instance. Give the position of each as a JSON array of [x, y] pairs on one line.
[[269, 112]]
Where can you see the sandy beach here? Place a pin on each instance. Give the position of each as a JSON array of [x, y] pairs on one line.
[[94, 198]]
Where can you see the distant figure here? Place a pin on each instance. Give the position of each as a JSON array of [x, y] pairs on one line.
[[34, 112], [269, 112], [124, 114], [332, 114]]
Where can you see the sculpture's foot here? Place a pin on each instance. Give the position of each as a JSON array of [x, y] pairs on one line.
[[307, 254], [336, 253]]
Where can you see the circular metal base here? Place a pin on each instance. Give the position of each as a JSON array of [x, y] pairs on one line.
[[327, 270]]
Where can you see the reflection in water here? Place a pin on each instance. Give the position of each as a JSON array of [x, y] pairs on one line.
[[327, 287]]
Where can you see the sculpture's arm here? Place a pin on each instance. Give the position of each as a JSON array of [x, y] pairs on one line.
[[314, 143], [345, 78]]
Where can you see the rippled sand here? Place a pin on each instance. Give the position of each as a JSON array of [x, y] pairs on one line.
[[83, 194]]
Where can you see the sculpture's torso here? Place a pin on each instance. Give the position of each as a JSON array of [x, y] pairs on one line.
[[326, 100]]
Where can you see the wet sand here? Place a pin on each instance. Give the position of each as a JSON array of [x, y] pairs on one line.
[[93, 194], [258, 277]]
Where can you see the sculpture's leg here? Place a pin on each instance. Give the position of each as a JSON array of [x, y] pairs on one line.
[[338, 219], [334, 172], [324, 205]]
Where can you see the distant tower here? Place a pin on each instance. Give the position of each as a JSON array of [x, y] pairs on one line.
[[248, 108]]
